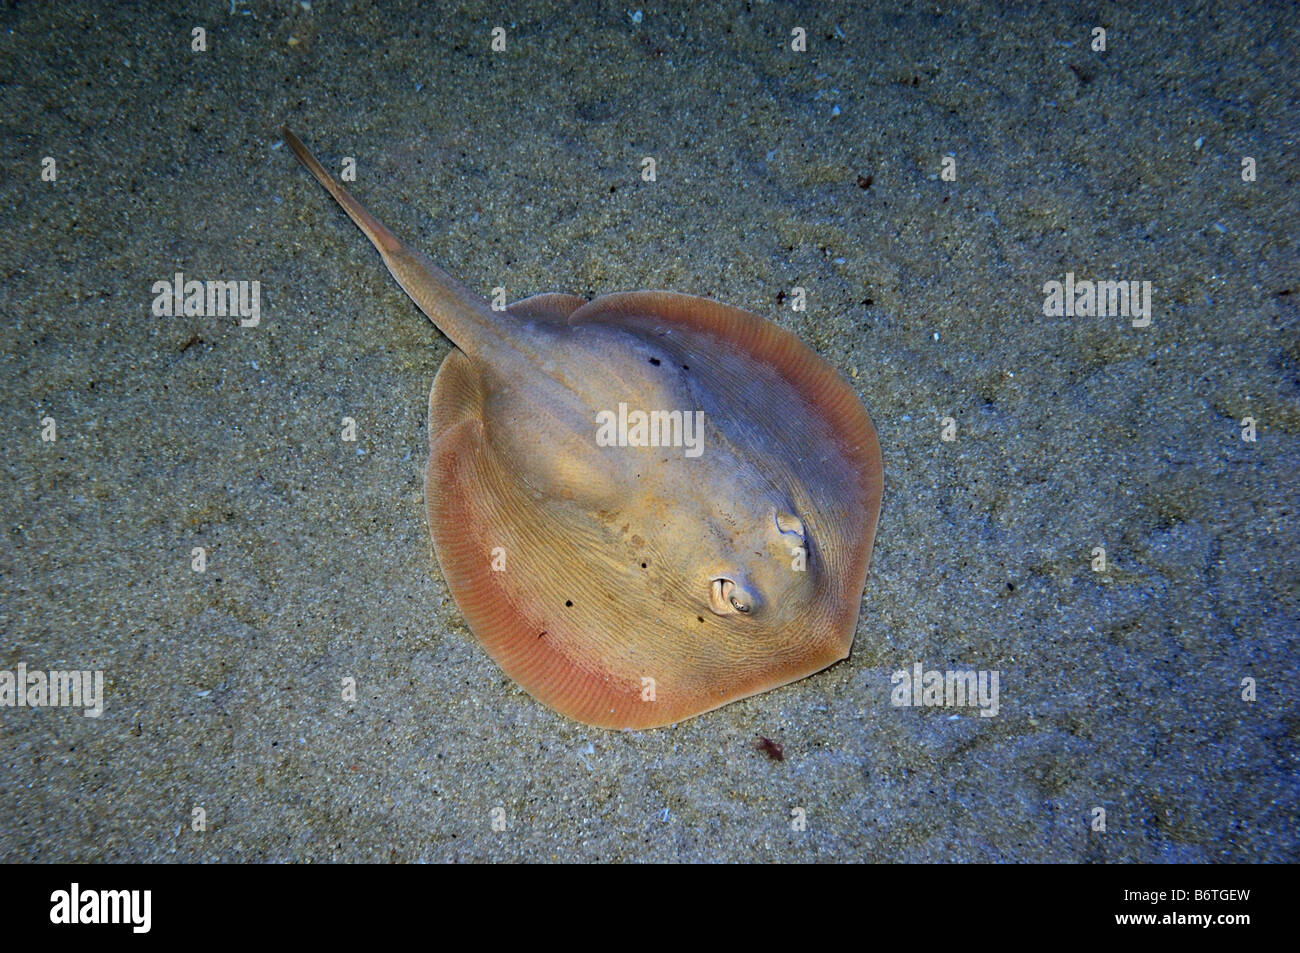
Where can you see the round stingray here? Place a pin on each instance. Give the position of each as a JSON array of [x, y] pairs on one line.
[[625, 585], [588, 615]]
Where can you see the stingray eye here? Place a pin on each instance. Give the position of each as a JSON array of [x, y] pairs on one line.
[[789, 524], [725, 597]]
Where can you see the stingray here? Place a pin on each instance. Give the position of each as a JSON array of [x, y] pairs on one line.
[[645, 505]]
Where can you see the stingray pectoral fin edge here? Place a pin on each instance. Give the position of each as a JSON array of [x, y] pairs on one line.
[[549, 306], [472, 502]]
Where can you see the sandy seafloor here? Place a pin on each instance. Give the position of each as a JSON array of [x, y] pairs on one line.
[[1120, 689]]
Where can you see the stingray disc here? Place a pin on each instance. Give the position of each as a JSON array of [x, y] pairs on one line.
[[678, 584]]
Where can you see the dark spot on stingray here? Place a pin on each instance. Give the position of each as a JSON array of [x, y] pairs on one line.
[[654, 361], [568, 603], [868, 302], [770, 748], [699, 618], [864, 181], [686, 367], [643, 565], [541, 633]]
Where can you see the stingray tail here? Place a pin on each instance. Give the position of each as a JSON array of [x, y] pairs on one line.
[[465, 317]]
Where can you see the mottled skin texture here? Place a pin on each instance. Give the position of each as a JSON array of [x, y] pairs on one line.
[[636, 586]]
